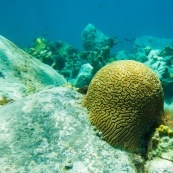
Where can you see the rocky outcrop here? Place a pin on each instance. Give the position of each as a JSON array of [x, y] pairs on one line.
[[21, 74], [84, 77], [49, 132], [94, 39]]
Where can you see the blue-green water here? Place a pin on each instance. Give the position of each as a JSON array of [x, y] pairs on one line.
[[21, 20]]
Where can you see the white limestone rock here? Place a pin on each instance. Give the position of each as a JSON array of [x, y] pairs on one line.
[[159, 165]]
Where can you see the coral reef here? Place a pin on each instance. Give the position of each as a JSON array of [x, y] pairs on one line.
[[68, 60], [98, 58], [156, 53], [96, 47], [63, 57], [49, 131], [125, 102], [167, 51], [41, 51]]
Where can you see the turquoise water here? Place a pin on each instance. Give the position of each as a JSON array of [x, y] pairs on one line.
[[49, 131], [23, 20]]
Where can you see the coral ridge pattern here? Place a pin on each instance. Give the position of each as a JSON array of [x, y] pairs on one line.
[[125, 102]]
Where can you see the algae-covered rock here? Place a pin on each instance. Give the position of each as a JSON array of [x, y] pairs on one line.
[[160, 153], [21, 74], [49, 132], [161, 143], [122, 55]]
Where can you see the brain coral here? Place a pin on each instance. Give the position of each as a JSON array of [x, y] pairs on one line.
[[125, 102]]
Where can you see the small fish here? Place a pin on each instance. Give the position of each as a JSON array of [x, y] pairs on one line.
[[83, 90], [138, 46], [44, 34], [129, 40]]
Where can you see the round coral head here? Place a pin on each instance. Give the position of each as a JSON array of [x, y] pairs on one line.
[[125, 102]]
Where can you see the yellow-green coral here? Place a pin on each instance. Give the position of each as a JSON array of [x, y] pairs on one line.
[[39, 44], [125, 102], [161, 143], [164, 131]]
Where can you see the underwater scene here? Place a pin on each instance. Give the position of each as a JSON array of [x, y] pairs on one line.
[[86, 86]]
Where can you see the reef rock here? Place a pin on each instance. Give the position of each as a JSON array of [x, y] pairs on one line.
[[21, 74], [160, 60], [93, 39], [84, 77], [153, 42], [96, 47], [162, 65], [49, 132], [161, 151]]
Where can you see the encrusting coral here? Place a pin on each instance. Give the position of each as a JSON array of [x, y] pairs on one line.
[[125, 102], [161, 143]]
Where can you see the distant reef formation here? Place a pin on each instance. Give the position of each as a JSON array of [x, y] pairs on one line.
[[79, 67], [44, 126], [157, 54], [68, 60]]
